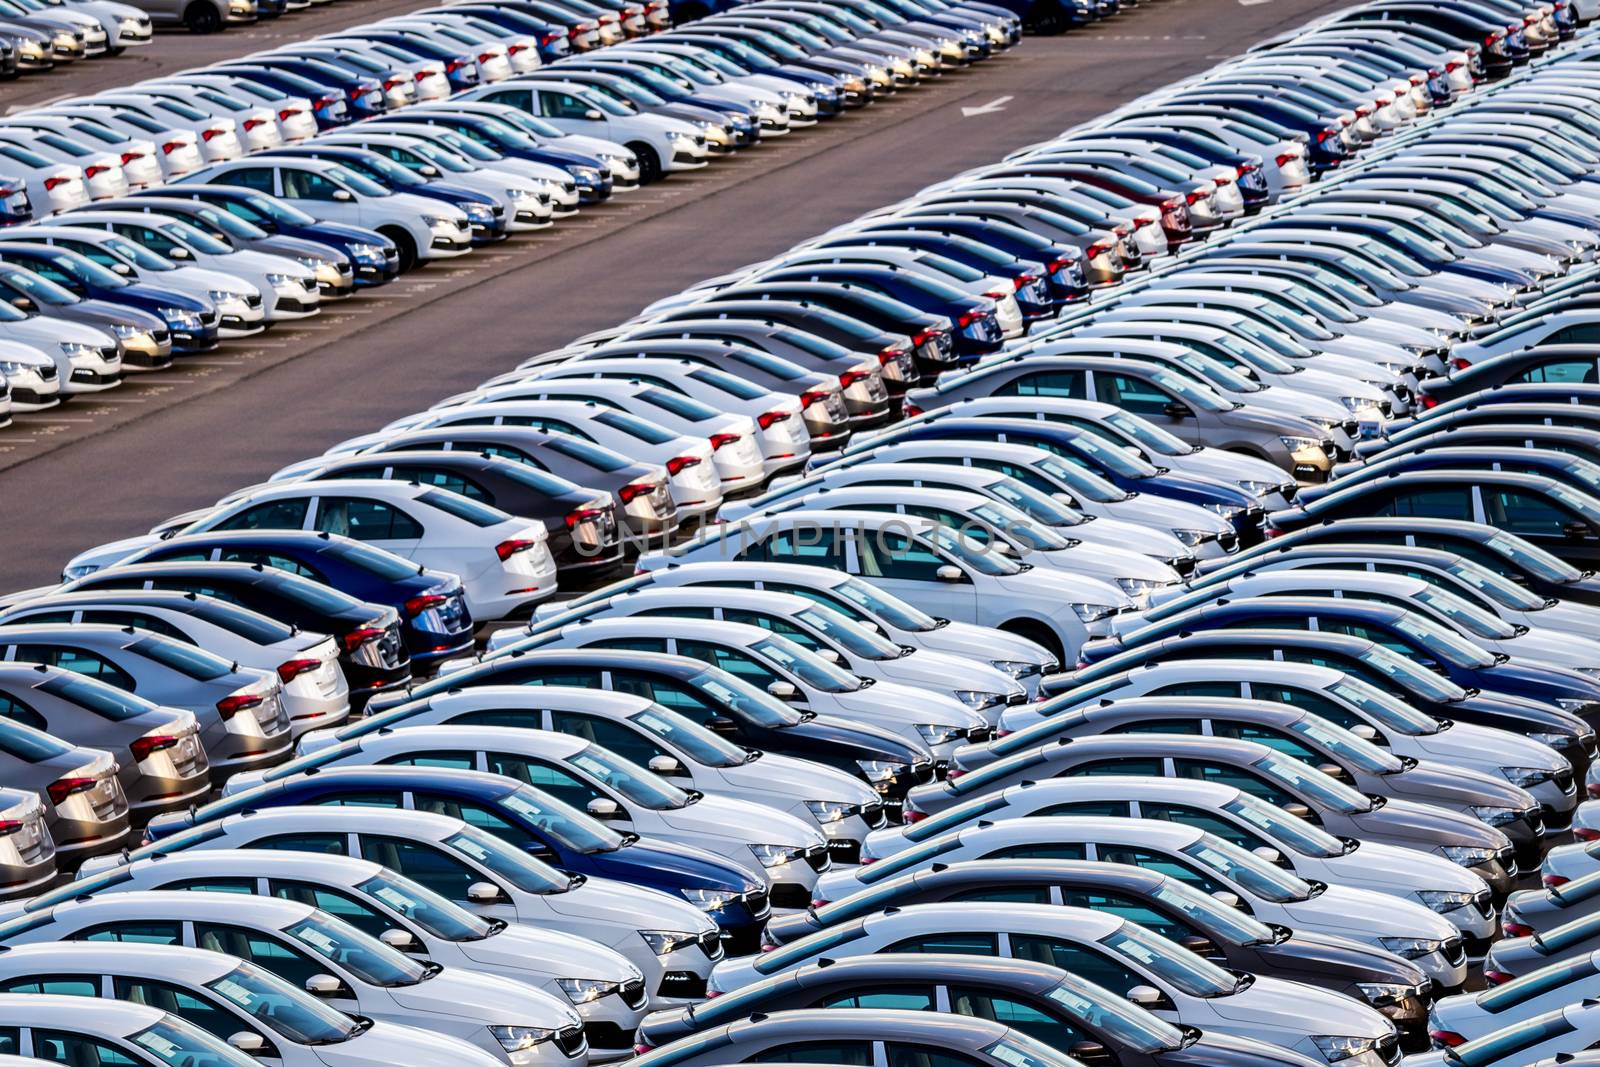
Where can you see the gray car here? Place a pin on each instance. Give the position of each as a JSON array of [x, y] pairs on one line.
[[161, 762], [242, 719], [1528, 911], [1513, 957], [146, 341], [27, 851], [86, 812]]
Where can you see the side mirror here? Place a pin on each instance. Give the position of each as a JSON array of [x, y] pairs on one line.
[[603, 808], [179, 253], [1577, 531], [1332, 770], [22, 303], [323, 985], [484, 893], [399, 939], [1090, 1052], [1299, 811], [344, 196], [1365, 732], [950, 573], [428, 172], [1270, 854], [830, 655], [783, 690], [248, 1042], [593, 115], [1146, 996], [122, 269], [1175, 410], [666, 766], [1228, 897], [721, 724], [1199, 945]]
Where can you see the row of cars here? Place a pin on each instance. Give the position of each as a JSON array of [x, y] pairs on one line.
[[1002, 736], [212, 204]]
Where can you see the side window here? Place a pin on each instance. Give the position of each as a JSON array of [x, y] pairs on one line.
[[1130, 394], [77, 660], [632, 644], [450, 480], [306, 185], [575, 677], [557, 782], [1161, 863], [1286, 743], [61, 1046], [1200, 689], [10, 1040], [1447, 503], [927, 1056], [818, 548], [1118, 809], [1253, 784], [848, 1053], [625, 741], [1086, 963], [1023, 894], [886, 554], [1578, 370], [139, 933], [769, 622], [365, 520], [15, 710], [1158, 726], [456, 761], [1205, 820], [58, 985], [517, 98], [245, 886], [422, 863], [1129, 908], [481, 817], [734, 662], [268, 559], [1060, 383], [557, 105], [290, 964], [965, 944], [669, 694], [1035, 1022], [1523, 513], [1315, 703], [210, 1017], [287, 514], [360, 800], [257, 178], [1059, 850], [893, 998], [341, 905], [328, 844], [1143, 768], [138, 619]]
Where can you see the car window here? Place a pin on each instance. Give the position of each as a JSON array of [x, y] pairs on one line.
[[205, 1014], [1523, 513], [1130, 908], [138, 619], [731, 660], [893, 998], [1577, 370], [327, 844], [1161, 863], [1126, 765], [1113, 808], [1444, 503], [1130, 394], [365, 520], [1059, 383], [61, 1046], [1205, 820], [1087, 963], [257, 178], [15, 710], [459, 761], [1036, 1022], [246, 886], [1224, 774], [927, 1056], [559, 783], [628, 742], [288, 514], [421, 862], [1053, 850], [477, 815], [796, 546], [268, 559], [968, 944], [60, 985], [849, 1053], [79, 661], [443, 479], [1266, 735], [135, 932], [307, 185], [886, 554], [341, 904], [270, 952]]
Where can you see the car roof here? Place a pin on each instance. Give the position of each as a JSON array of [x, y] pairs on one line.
[[189, 966], [116, 1018]]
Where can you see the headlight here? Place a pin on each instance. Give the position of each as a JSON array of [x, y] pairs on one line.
[[585, 990], [774, 855], [223, 296], [367, 253], [309, 262], [1358, 403], [10, 367], [1093, 612], [478, 212], [437, 220], [588, 174], [1190, 538], [73, 348], [829, 811], [1383, 994], [1257, 488], [1442, 902], [517, 1038], [82, 570], [1014, 667], [1334, 1049], [1138, 586], [1553, 740], [1301, 444], [664, 942], [1527, 777], [938, 735], [282, 280], [179, 319], [1495, 816], [1574, 705], [523, 194], [1411, 948], [978, 699], [709, 899], [879, 770], [123, 329], [1231, 511], [1466, 856]]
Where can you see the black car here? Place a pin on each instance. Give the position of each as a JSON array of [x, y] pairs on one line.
[[1580, 441], [372, 651], [1574, 470], [713, 698], [581, 523], [1550, 365]]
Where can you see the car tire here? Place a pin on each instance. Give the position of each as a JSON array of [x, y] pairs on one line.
[[1039, 634], [202, 17], [407, 247], [117, 51], [649, 163]]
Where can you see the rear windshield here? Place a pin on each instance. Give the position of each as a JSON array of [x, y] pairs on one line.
[[31, 745], [104, 700], [194, 662], [464, 508]]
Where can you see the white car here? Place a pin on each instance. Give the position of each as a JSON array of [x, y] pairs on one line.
[[1567, 863], [784, 669], [295, 119], [859, 649], [87, 359], [253, 1010], [602, 986], [1113, 952], [255, 126], [136, 155], [441, 139], [334, 961], [672, 745], [179, 148], [1559, 1032], [218, 136], [32, 374], [923, 563], [471, 867], [102, 170], [593, 779], [52, 186], [1455, 1020]]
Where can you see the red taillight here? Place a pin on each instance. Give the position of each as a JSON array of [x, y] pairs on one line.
[[767, 419], [206, 135], [1364, 110], [326, 100], [1447, 1038], [51, 183], [10, 826], [550, 38], [851, 377], [722, 440], [888, 355], [967, 318], [1429, 401], [249, 124], [294, 668], [358, 637], [912, 815], [1551, 881], [1194, 196], [143, 746], [516, 49], [572, 518], [390, 83], [867, 861], [633, 490], [62, 788], [290, 112], [1452, 65], [508, 548], [813, 396], [1324, 134], [170, 147], [954, 773], [453, 65], [1593, 789], [1586, 833], [1272, 532], [1497, 977], [1059, 264], [1458, 363], [909, 410], [129, 157], [1491, 38], [1244, 168], [1022, 281], [577, 31], [1098, 248], [1285, 158], [230, 706], [484, 57], [639, 1050], [425, 602], [922, 337], [94, 169], [1517, 929]]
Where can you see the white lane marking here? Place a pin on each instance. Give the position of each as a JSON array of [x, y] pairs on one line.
[[999, 102]]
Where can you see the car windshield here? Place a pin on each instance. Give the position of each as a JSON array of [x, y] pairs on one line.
[[1152, 952], [1017, 1049], [277, 210], [351, 180], [563, 823], [1036, 505], [86, 270], [1531, 558], [1453, 648], [375, 561], [1102, 1011], [512, 864], [648, 432], [677, 404], [104, 700], [961, 547], [608, 102], [762, 709], [1472, 619], [427, 153], [465, 508], [283, 1009], [896, 612], [229, 224], [857, 640], [138, 255], [180, 1044], [1308, 781], [1212, 915], [631, 780], [1495, 587], [1346, 746], [39, 290], [1147, 434], [427, 909], [362, 955], [1415, 679], [1504, 1044], [1582, 503], [698, 743], [195, 238], [1117, 459], [811, 669], [1250, 872], [1298, 834], [1394, 714]]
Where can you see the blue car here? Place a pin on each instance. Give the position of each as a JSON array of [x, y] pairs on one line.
[[434, 620], [362, 91], [554, 41], [546, 828], [374, 256], [192, 320], [590, 174], [1062, 264], [977, 330], [1092, 452], [1395, 628], [460, 68], [486, 214], [1035, 295], [328, 105]]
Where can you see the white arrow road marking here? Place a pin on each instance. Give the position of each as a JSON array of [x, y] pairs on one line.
[[999, 102]]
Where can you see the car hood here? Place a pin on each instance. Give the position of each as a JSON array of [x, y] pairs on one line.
[[161, 296], [909, 704], [741, 821], [604, 900], [1464, 741], [1332, 955], [1060, 587], [1441, 825], [102, 556], [965, 639], [1373, 864], [50, 333], [1432, 783], [1300, 1009], [522, 949], [1551, 647], [95, 312], [203, 278], [941, 671], [1130, 536], [483, 998], [1223, 1050], [786, 777], [385, 1042], [682, 865], [1348, 912]]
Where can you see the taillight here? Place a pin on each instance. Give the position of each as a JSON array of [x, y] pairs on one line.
[[813, 396], [229, 706], [912, 815], [1552, 881], [1517, 929], [581, 515], [51, 183], [639, 1050], [390, 83], [206, 135], [419, 75], [1022, 281], [1593, 789], [1098, 248], [94, 169], [516, 49], [1194, 196], [1497, 977], [62, 788], [922, 337], [767, 419], [887, 356], [1059, 263], [418, 604], [678, 464], [968, 317], [549, 38], [954, 773], [451, 66], [169, 147], [851, 377], [484, 57], [143, 746], [909, 409], [1272, 532], [1285, 158], [722, 440], [360, 636], [1458, 363], [867, 861], [290, 112], [1429, 402], [633, 490], [1171, 205], [249, 124], [508, 548], [326, 100], [1447, 1038], [129, 157], [1586, 833], [294, 668], [1244, 168]]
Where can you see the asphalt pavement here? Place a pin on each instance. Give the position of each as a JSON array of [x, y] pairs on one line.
[[115, 465]]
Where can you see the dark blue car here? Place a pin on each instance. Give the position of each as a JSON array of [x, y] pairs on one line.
[[592, 178], [554, 41], [1062, 264], [328, 104], [433, 613], [375, 257], [191, 320], [977, 331], [546, 828], [1035, 295], [460, 68], [363, 92]]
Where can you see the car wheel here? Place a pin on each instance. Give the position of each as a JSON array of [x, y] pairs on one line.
[[406, 246], [202, 17], [649, 163], [117, 51], [1039, 634]]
